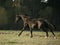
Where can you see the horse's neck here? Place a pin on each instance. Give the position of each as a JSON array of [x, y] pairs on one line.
[[24, 18]]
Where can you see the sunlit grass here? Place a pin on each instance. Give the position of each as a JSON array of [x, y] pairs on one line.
[[12, 38]]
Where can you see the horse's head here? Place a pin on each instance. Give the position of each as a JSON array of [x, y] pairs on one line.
[[17, 18], [22, 17]]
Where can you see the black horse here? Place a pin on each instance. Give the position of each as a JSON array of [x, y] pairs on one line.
[[42, 23]]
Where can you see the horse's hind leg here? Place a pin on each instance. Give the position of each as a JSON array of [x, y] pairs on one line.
[[45, 30], [46, 34], [31, 32], [53, 33]]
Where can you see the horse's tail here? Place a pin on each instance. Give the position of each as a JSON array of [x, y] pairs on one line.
[[50, 25]]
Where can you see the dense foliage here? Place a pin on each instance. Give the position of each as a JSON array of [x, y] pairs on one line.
[[34, 8]]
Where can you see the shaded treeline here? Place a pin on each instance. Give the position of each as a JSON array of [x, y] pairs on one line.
[[33, 8]]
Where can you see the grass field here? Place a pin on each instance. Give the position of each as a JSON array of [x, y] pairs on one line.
[[11, 38]]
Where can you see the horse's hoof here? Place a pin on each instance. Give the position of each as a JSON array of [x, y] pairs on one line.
[[46, 37], [31, 36], [55, 37], [18, 35]]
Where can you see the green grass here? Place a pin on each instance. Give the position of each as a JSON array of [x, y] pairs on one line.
[[12, 38]]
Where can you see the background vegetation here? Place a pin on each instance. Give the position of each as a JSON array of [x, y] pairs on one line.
[[34, 8]]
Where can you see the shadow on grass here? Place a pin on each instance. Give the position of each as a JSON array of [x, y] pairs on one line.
[[11, 42]]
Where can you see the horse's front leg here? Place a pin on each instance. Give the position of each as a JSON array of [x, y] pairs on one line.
[[24, 26], [22, 29], [20, 33], [31, 26], [30, 30]]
